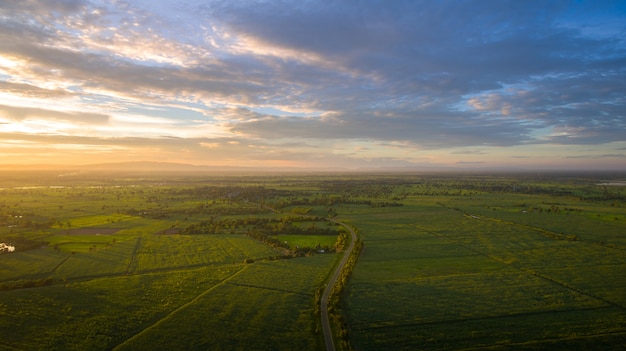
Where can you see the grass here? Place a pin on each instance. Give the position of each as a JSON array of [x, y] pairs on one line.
[[472, 262], [435, 278], [307, 240], [265, 321], [97, 220], [111, 260], [274, 312], [99, 313], [109, 307], [33, 263], [109, 279], [166, 251]]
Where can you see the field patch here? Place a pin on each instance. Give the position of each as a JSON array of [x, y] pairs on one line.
[[312, 241], [92, 231], [100, 313], [32, 264], [273, 310], [167, 251], [449, 262], [463, 276]]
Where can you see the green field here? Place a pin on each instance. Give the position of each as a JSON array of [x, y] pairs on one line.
[[449, 262], [451, 272], [262, 306], [307, 240], [100, 268]]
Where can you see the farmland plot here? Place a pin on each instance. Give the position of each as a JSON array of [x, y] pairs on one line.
[[167, 251], [33, 264], [313, 241], [105, 307], [110, 269], [264, 306], [448, 263], [99, 313], [107, 261], [439, 279]]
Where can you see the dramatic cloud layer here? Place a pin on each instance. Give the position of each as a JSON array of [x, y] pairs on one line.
[[357, 84]]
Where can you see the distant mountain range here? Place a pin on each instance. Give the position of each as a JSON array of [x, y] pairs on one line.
[[172, 168], [161, 167]]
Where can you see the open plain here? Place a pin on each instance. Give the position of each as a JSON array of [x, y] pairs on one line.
[[443, 262]]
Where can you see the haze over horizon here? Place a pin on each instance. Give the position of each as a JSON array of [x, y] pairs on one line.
[[315, 84]]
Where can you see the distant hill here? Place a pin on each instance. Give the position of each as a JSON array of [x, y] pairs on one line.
[[144, 167], [147, 167]]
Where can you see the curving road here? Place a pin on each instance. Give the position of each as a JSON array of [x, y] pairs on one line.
[[328, 334]]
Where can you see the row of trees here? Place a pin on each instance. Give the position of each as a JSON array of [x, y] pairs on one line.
[[26, 220], [334, 303], [330, 201], [265, 226]]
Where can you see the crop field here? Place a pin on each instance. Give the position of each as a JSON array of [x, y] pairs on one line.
[[449, 262], [170, 251], [307, 240], [109, 267], [273, 311], [98, 313], [454, 272]]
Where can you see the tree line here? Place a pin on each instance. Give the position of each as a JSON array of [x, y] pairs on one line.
[[300, 225]]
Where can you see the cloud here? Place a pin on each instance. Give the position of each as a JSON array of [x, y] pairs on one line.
[[425, 129], [210, 145], [468, 152], [413, 76], [220, 151], [472, 163], [598, 156], [31, 91], [16, 113]]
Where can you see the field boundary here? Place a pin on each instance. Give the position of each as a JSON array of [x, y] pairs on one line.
[[269, 288], [523, 269], [59, 265], [545, 232], [132, 263], [485, 318], [546, 341], [180, 308]]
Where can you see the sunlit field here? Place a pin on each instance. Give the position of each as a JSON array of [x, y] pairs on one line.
[[469, 269], [448, 263], [148, 266]]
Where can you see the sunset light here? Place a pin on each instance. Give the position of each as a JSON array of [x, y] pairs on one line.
[[400, 85]]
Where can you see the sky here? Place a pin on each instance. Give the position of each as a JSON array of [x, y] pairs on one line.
[[352, 84]]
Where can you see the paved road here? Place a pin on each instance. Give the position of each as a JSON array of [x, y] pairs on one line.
[[328, 334]]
